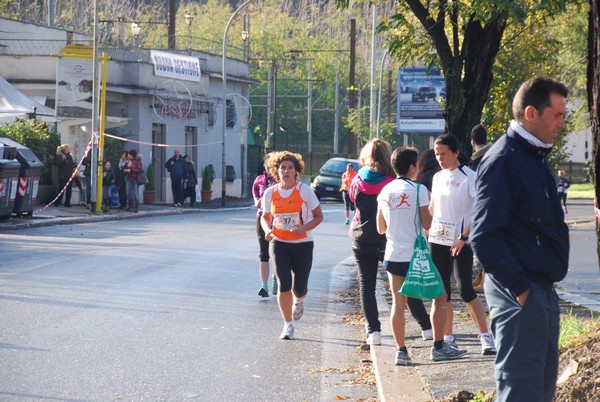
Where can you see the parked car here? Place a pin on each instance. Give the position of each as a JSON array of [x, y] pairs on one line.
[[424, 94], [328, 182]]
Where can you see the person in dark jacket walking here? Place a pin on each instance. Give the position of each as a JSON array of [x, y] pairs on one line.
[[520, 237], [178, 168], [63, 160]]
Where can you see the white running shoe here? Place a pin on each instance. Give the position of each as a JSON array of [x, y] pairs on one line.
[[374, 338], [427, 334], [288, 332], [487, 344]]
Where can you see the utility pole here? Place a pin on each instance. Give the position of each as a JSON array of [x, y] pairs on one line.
[[171, 29], [373, 96], [351, 82], [309, 110], [336, 119], [271, 99]]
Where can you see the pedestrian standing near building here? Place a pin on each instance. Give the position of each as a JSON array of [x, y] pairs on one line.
[[87, 174], [132, 169], [452, 194], [121, 180], [108, 180], [368, 245], [287, 210], [63, 160], [399, 219], [178, 169], [522, 240], [191, 181], [347, 177], [263, 181], [562, 186]]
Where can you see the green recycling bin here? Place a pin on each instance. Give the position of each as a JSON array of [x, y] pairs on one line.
[[29, 177], [9, 177]]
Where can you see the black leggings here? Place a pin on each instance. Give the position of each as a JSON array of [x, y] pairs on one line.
[[348, 205], [262, 242], [368, 257], [292, 263], [462, 265]]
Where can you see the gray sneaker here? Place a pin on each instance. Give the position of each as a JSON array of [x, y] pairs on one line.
[[447, 352], [402, 358], [288, 332]]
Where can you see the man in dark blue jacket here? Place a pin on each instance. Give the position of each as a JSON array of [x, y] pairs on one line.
[[520, 237], [178, 168]]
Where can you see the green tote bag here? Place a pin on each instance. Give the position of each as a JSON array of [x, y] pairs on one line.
[[422, 280]]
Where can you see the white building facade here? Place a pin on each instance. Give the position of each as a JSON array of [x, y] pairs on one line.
[[155, 113]]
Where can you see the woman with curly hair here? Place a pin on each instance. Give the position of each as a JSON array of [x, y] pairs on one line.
[[291, 211]]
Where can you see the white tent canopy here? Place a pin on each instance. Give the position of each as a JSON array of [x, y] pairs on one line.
[[14, 103]]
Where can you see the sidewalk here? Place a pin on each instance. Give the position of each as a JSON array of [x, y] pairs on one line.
[[79, 214], [425, 380]]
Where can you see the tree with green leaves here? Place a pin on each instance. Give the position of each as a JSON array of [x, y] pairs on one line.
[[36, 136], [464, 39]]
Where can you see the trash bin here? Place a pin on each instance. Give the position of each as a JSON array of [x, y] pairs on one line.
[[30, 171], [9, 176]]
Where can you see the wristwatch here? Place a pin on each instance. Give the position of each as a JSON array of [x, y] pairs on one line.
[[463, 237]]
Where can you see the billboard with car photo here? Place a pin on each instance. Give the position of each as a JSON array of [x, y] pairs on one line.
[[419, 92]]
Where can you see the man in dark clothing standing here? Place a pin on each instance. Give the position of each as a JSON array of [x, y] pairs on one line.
[[479, 144], [520, 237], [178, 168], [63, 160]]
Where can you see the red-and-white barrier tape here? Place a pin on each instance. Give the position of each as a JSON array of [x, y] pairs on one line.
[[161, 145]]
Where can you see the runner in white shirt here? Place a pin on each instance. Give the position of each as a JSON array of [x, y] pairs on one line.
[[452, 195], [397, 218]]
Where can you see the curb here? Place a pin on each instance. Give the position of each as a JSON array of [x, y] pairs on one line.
[[395, 383], [45, 221]]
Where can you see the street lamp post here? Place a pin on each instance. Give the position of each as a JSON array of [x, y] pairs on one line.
[[224, 100], [188, 21], [135, 30], [383, 59]]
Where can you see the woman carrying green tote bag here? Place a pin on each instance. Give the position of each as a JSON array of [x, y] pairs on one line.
[[406, 257]]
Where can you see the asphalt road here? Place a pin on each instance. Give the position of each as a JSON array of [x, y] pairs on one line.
[[166, 309]]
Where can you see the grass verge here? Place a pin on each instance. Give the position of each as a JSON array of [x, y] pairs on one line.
[[585, 190], [573, 329]]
